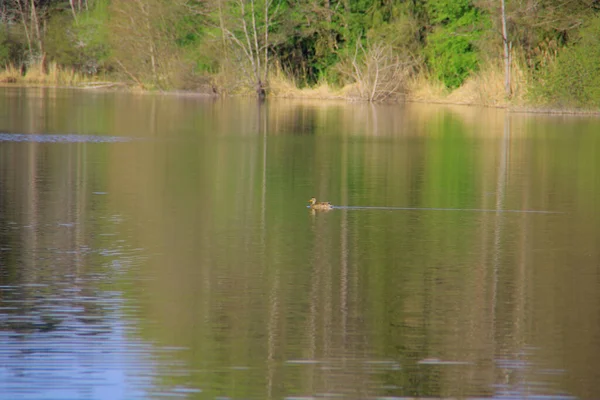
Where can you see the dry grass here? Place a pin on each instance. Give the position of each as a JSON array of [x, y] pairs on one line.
[[10, 74], [485, 87], [54, 75], [424, 88], [282, 86]]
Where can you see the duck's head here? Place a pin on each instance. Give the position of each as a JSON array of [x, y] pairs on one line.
[[312, 201]]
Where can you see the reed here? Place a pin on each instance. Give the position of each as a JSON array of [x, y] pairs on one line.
[[486, 86], [52, 75], [281, 85], [10, 74], [424, 88]]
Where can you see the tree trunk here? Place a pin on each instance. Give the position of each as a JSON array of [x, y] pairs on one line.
[[73, 10], [266, 44], [251, 35], [25, 27], [260, 90], [506, 52], [36, 26]]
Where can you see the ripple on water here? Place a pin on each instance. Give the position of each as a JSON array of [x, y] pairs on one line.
[[74, 347], [64, 337], [62, 138]]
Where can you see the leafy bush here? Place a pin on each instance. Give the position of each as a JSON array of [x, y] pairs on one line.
[[451, 58]]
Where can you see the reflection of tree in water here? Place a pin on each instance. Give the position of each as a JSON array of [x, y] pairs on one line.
[[51, 278], [270, 300]]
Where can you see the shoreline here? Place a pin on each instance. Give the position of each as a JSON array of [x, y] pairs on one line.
[[126, 87]]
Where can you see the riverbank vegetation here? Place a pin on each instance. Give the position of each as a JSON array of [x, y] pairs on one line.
[[492, 52]]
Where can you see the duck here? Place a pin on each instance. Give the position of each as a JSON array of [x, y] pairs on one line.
[[317, 205]]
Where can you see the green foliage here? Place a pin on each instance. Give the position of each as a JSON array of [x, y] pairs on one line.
[[546, 27], [308, 40], [402, 34], [574, 78], [451, 48], [191, 32], [143, 42], [82, 43], [451, 58], [12, 45], [317, 36], [163, 43], [450, 12], [4, 46]]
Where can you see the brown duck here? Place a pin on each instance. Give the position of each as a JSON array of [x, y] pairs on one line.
[[317, 205]]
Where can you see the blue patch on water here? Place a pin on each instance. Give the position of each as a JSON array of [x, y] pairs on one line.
[[66, 138]]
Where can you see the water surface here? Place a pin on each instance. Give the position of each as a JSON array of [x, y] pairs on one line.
[[156, 246]]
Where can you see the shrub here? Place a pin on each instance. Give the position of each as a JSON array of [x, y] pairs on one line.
[[573, 79], [451, 58]]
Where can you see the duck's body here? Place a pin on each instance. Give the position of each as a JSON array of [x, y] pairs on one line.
[[318, 205]]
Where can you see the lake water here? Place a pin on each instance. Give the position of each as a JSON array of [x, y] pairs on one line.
[[159, 246]]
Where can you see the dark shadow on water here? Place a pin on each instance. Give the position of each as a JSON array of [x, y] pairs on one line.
[[443, 209]]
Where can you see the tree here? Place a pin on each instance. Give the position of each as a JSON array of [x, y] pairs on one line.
[[379, 73], [247, 24], [82, 42], [314, 37], [28, 12], [143, 40], [77, 6], [32, 16], [539, 28]]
